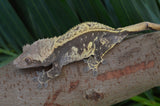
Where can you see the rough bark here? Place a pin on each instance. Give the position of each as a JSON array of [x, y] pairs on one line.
[[132, 67]]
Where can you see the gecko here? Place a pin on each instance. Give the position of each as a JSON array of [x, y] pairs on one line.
[[88, 41]]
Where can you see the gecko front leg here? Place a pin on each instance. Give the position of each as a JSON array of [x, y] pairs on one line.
[[44, 77]]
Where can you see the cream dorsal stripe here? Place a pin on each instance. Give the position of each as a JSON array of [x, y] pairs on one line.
[[81, 29]]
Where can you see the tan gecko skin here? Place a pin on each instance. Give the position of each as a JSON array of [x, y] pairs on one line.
[[89, 40]]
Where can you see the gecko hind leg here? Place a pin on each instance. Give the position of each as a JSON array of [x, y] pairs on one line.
[[87, 60], [93, 64]]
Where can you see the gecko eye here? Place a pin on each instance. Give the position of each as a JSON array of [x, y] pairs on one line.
[[28, 60]]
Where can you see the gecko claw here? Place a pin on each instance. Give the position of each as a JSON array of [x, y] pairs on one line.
[[39, 86]]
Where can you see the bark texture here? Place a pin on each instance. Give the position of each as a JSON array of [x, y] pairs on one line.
[[132, 67]]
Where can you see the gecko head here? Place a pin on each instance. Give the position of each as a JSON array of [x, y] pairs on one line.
[[35, 55]]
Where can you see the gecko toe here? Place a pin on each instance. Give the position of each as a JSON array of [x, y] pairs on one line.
[[104, 62], [39, 86], [95, 72], [46, 84], [34, 79]]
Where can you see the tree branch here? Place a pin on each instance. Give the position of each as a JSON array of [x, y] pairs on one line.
[[132, 67]]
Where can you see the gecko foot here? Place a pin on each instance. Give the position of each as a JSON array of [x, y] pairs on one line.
[[92, 64], [40, 86], [35, 79], [42, 79]]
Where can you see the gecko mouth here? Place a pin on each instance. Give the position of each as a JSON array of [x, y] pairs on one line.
[[40, 68]]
